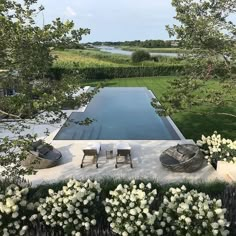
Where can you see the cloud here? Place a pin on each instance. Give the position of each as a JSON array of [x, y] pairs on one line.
[[115, 20], [70, 12]]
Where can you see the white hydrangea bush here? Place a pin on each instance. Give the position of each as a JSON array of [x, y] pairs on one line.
[[128, 210], [71, 208], [14, 211], [217, 148], [192, 213]]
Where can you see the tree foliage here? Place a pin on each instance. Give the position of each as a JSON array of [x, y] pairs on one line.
[[206, 29], [12, 153], [140, 55], [26, 55], [137, 43], [25, 60]]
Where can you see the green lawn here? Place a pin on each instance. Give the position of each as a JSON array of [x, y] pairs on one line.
[[192, 123]]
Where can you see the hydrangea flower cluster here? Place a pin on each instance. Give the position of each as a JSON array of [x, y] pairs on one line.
[[71, 208], [128, 210], [13, 209], [217, 148], [192, 213]]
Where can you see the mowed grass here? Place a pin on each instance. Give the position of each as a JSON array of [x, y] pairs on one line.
[[192, 122]]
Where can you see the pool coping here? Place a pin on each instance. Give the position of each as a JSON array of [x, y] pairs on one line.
[[84, 90]]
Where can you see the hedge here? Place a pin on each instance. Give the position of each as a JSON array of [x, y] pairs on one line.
[[100, 73]]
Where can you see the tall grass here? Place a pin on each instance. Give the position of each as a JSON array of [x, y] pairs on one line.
[[93, 58], [75, 58]]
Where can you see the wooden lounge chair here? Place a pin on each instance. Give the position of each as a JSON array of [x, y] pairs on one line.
[[123, 150], [91, 150]]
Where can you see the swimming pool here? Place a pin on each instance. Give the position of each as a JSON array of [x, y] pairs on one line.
[[120, 114]]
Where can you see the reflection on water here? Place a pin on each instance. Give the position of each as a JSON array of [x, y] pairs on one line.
[[128, 53], [120, 114]]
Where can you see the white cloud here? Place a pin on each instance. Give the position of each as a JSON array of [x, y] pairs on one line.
[[70, 12]]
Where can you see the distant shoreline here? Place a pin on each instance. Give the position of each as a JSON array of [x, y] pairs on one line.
[[157, 50]]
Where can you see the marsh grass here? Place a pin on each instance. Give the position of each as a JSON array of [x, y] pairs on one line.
[[72, 58]]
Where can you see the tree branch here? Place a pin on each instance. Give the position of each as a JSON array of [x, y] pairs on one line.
[[214, 113], [9, 114], [226, 114]]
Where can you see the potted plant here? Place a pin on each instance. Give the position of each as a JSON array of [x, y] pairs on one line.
[[218, 149]]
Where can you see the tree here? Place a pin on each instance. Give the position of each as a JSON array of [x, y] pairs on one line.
[[140, 55], [206, 30], [25, 56]]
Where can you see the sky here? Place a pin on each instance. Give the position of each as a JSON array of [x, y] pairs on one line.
[[114, 20]]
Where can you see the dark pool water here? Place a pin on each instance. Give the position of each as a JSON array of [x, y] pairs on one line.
[[120, 114]]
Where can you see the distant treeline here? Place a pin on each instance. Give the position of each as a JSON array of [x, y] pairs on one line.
[[143, 44]]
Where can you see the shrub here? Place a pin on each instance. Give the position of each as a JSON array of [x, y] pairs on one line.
[[129, 210], [101, 73], [71, 208], [192, 213], [14, 211], [217, 148], [140, 55], [49, 221]]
